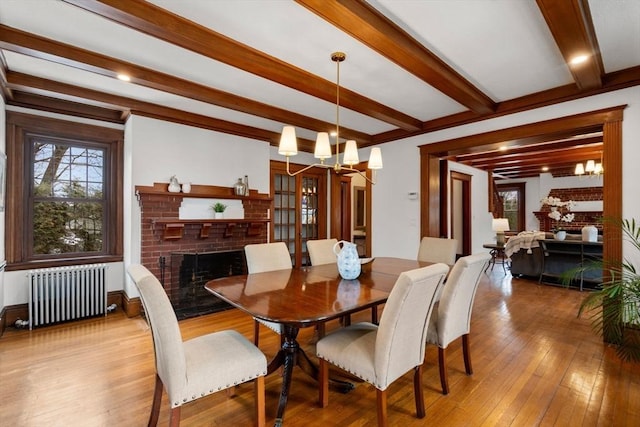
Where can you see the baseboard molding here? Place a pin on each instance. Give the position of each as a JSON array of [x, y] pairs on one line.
[[11, 313]]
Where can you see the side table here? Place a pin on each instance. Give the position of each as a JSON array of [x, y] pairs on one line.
[[497, 256]]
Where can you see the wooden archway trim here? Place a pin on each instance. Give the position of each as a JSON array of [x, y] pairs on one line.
[[608, 120]]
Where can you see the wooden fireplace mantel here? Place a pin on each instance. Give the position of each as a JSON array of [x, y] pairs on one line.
[[199, 191], [172, 228]]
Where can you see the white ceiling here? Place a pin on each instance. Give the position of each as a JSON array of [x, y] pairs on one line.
[[502, 47]]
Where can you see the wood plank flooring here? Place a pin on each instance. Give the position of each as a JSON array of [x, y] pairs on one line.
[[535, 364]]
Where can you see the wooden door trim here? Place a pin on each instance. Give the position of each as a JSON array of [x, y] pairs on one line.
[[466, 210]]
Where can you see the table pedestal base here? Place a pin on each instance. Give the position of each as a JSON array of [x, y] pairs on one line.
[[290, 355]]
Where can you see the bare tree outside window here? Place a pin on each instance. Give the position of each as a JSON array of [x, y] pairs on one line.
[[513, 197], [67, 197]]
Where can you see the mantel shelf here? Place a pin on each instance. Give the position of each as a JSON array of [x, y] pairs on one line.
[[173, 228], [200, 191]]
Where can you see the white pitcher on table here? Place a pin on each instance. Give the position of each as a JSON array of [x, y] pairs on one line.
[[348, 259]]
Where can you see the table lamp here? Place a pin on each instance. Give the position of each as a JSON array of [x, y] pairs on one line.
[[500, 225]]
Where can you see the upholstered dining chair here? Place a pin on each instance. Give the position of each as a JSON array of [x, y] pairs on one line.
[[380, 354], [321, 251], [199, 366], [262, 257], [451, 318], [436, 249]]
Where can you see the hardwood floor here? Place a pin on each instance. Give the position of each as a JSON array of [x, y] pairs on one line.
[[535, 364]]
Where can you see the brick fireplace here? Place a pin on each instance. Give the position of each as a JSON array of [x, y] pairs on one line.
[[167, 240], [582, 218]]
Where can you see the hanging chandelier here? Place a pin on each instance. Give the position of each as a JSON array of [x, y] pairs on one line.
[[289, 146], [591, 168]]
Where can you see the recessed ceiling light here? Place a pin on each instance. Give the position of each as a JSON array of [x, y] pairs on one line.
[[578, 59], [545, 168], [124, 77]]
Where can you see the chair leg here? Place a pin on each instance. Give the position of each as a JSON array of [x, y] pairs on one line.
[[155, 406], [466, 352], [320, 327], [174, 417], [381, 402], [323, 383], [256, 332], [417, 390], [444, 381], [259, 391]]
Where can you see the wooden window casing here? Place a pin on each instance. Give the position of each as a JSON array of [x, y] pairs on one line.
[[18, 236]]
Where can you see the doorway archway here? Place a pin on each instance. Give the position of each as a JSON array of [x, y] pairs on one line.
[[608, 121]]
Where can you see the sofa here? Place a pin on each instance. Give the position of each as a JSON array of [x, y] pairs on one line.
[[527, 264], [528, 258]]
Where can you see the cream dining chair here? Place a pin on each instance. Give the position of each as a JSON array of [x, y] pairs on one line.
[[435, 249], [451, 318], [263, 257], [380, 354], [321, 251], [199, 366]]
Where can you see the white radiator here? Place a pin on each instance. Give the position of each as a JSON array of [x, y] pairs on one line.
[[66, 293]]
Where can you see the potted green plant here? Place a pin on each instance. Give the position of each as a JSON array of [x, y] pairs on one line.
[[614, 308], [218, 210]]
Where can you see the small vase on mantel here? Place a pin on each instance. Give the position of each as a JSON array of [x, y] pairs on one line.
[[560, 235], [240, 188]]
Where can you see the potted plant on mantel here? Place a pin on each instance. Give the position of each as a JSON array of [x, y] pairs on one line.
[[615, 307], [218, 210]]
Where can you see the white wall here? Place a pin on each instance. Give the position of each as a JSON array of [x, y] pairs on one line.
[[395, 219]]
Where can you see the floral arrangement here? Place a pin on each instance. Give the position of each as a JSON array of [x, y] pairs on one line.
[[560, 211]]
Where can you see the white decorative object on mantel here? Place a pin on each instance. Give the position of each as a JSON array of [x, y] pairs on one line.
[[174, 187]]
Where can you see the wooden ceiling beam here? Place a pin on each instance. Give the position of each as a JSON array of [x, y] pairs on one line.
[[572, 28], [51, 50], [540, 161], [155, 21], [375, 30], [528, 134], [20, 81], [62, 106], [594, 142]]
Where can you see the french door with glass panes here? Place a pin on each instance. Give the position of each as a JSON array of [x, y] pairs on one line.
[[299, 211]]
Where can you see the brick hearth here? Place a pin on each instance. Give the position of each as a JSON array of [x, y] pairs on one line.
[[160, 211]]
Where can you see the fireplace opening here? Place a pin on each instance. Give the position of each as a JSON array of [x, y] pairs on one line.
[[190, 271]]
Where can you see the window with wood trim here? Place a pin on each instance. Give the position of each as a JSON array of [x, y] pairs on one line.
[[513, 197], [64, 192]]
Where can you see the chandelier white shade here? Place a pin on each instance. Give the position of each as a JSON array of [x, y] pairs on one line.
[[591, 168], [289, 147]]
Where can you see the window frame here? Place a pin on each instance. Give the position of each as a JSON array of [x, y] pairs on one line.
[[520, 188], [18, 231]]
